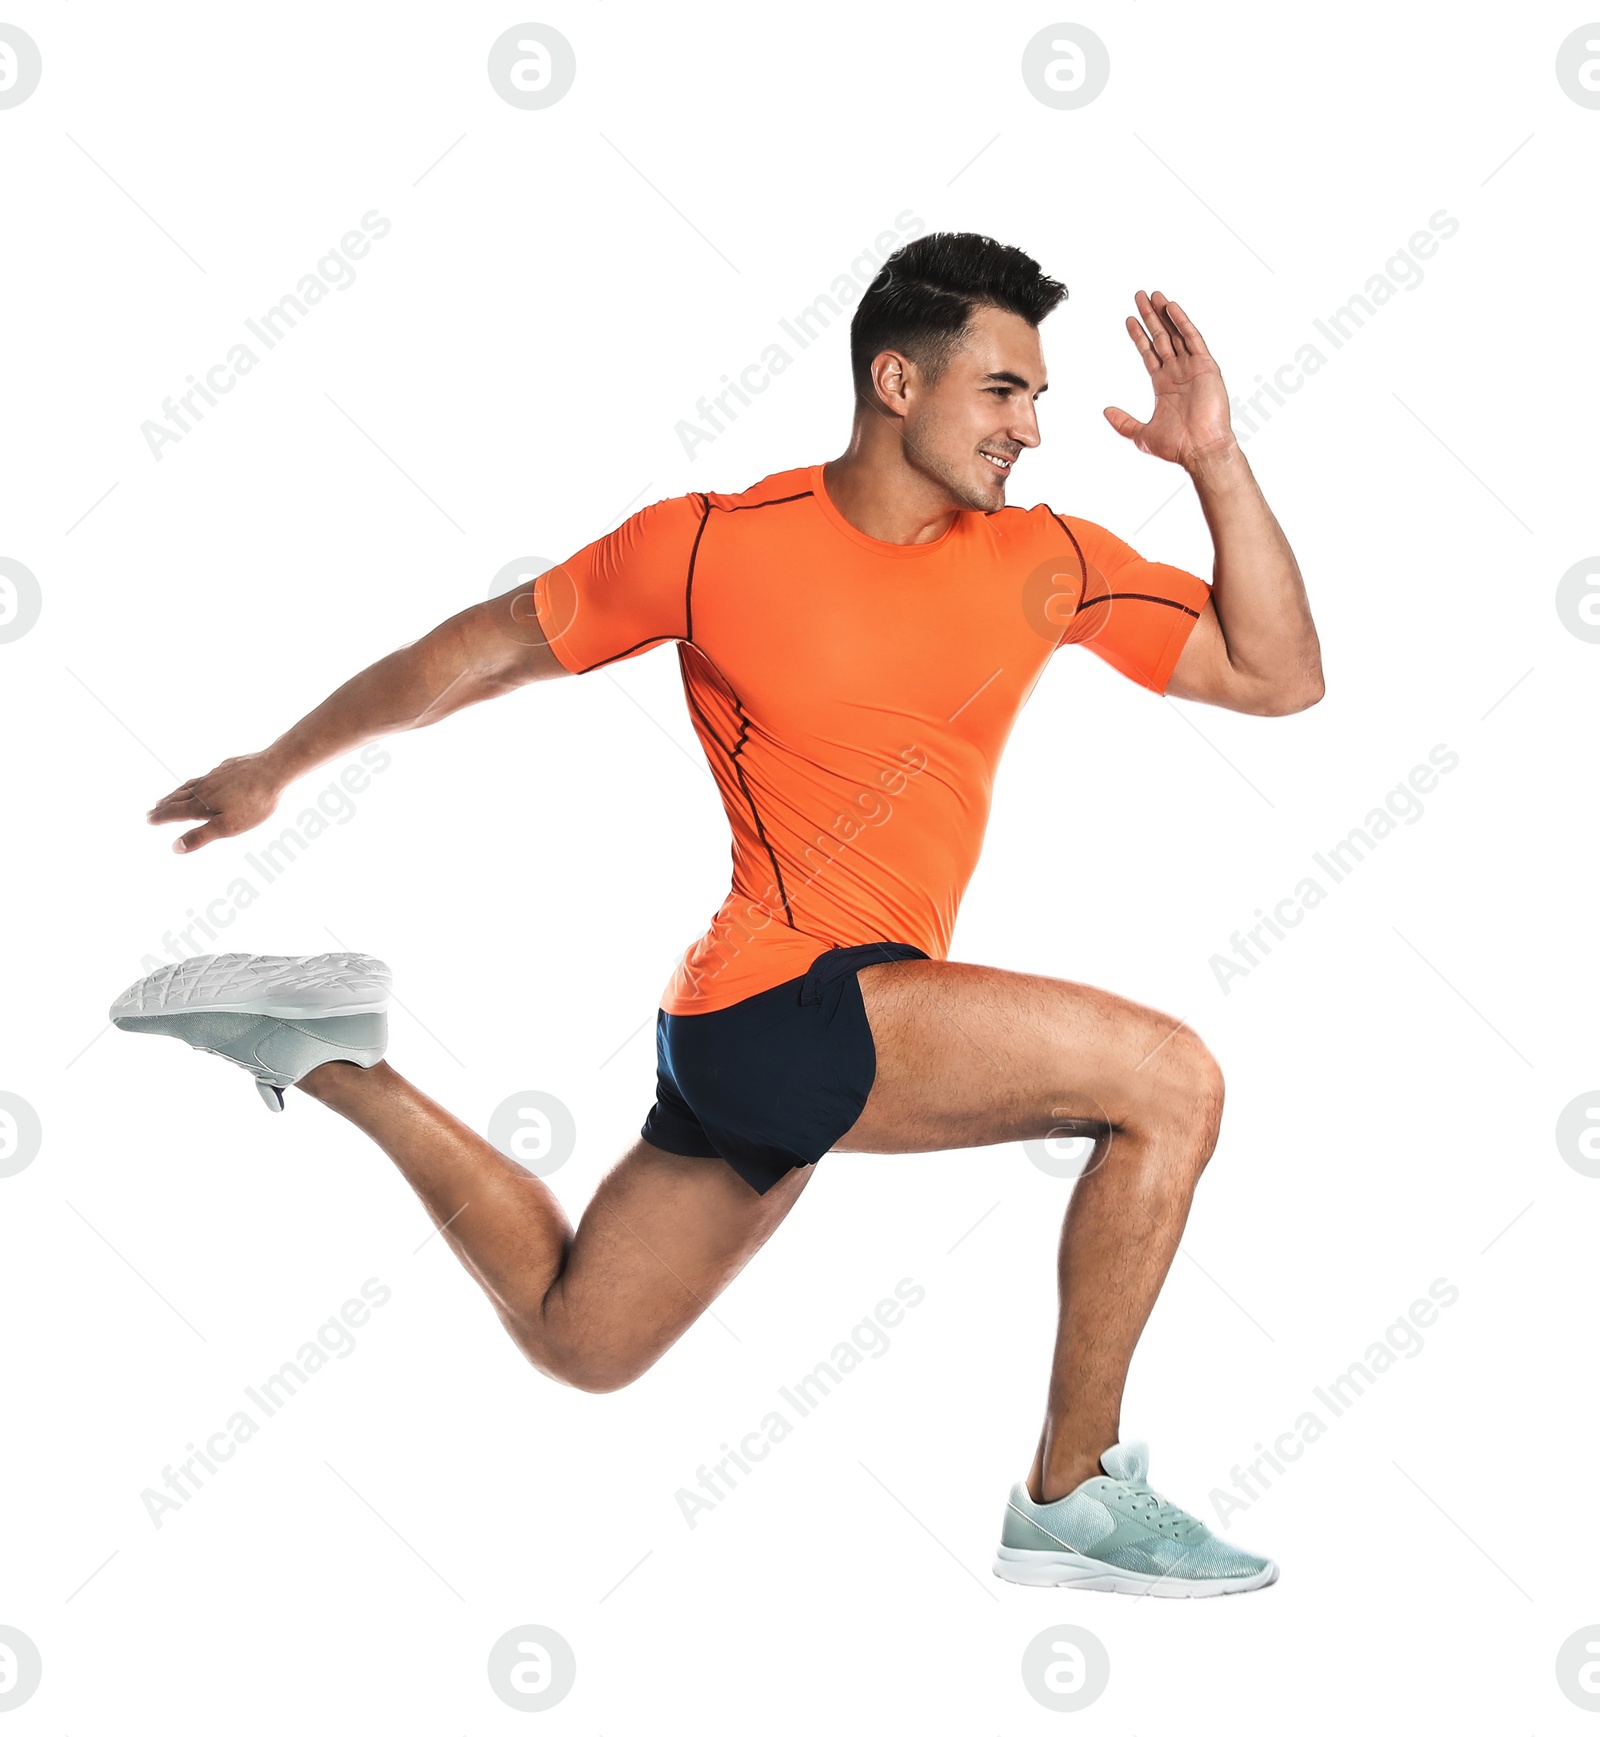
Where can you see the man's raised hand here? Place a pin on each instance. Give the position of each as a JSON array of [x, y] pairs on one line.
[[237, 795], [1190, 422]]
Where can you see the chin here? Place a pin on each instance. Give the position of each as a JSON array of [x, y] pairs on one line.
[[977, 494], [993, 496], [972, 493]]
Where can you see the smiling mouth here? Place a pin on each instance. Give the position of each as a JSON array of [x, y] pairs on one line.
[[1003, 465]]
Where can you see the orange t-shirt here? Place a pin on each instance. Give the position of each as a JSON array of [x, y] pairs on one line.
[[852, 696]]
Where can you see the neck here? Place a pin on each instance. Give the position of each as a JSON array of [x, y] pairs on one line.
[[872, 485]]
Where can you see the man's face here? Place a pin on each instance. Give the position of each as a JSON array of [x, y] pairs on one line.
[[966, 429]]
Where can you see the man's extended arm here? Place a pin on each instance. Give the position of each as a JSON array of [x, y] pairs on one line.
[[484, 651], [1254, 647]]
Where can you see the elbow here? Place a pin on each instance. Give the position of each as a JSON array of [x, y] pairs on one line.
[[1288, 697], [1299, 699], [1302, 685]]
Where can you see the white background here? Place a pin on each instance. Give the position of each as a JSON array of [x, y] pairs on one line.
[[504, 378]]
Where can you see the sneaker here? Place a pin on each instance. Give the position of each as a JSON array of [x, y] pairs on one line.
[[1115, 1534], [277, 1017]]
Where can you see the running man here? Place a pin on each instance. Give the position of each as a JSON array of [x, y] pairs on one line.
[[855, 640]]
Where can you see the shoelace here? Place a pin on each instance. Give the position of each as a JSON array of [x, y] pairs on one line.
[[1155, 1510]]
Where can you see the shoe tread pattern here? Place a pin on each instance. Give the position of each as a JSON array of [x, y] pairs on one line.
[[334, 979]]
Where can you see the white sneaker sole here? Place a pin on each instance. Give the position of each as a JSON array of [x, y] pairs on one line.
[[277, 986], [1058, 1568]]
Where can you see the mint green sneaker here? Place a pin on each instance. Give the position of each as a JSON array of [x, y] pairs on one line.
[[1115, 1534], [274, 1015]]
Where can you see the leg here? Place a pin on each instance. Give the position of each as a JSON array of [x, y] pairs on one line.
[[972, 1057], [661, 1238]]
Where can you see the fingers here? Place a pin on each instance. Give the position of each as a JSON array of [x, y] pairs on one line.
[[181, 794], [180, 808], [1128, 426], [1185, 327], [192, 841], [1171, 333], [1146, 349], [1161, 332]]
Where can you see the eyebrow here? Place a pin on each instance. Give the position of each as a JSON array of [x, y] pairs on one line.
[[1010, 379]]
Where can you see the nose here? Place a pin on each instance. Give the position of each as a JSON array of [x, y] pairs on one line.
[[1025, 427]]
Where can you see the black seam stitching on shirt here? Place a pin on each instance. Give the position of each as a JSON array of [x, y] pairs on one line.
[[732, 756], [780, 500], [755, 813], [694, 555], [1083, 574], [1141, 597], [744, 721], [1110, 596], [654, 639]]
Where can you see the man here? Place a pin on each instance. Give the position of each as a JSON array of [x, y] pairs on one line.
[[855, 640]]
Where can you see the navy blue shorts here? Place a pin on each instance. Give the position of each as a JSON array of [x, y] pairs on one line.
[[772, 1082]]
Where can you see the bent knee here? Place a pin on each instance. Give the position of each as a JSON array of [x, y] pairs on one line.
[[599, 1379], [1183, 1081], [1204, 1071], [587, 1370], [570, 1346], [1202, 1090]]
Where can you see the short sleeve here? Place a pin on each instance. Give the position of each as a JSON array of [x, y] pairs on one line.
[[626, 592], [1134, 613]]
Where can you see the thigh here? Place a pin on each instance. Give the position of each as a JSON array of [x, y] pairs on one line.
[[972, 1056], [662, 1237]]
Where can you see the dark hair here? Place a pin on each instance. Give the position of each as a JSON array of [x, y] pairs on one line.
[[921, 300]]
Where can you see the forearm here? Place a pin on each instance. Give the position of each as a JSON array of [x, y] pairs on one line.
[[1257, 592], [458, 663], [486, 650]]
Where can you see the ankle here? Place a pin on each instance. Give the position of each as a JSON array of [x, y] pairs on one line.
[[332, 1081], [1062, 1476]]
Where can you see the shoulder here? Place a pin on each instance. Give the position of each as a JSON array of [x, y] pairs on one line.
[[678, 523], [1039, 531], [662, 525], [1048, 530], [777, 490]]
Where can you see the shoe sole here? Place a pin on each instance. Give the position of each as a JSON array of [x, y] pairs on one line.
[[308, 987], [265, 1008], [1053, 1568]]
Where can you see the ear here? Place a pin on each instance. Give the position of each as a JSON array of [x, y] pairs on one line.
[[894, 377]]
